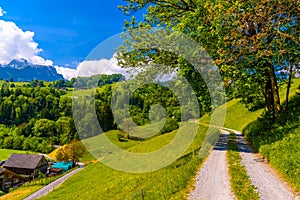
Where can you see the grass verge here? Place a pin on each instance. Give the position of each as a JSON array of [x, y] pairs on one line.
[[279, 141], [239, 179]]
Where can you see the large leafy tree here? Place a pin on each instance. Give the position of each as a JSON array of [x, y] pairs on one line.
[[257, 38], [249, 40]]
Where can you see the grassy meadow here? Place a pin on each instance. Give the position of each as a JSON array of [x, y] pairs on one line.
[[98, 181], [21, 193], [5, 153]]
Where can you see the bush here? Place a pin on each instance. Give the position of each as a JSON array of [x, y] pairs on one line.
[[170, 125], [41, 175]]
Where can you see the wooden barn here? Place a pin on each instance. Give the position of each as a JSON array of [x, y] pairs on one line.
[[26, 164], [9, 179]]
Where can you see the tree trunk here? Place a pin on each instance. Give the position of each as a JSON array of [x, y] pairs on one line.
[[288, 88], [269, 97], [276, 99]]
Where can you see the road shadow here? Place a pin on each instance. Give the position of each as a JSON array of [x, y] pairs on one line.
[[221, 144], [242, 144]]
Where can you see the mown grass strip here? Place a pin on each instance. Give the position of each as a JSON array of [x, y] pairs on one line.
[[239, 179]]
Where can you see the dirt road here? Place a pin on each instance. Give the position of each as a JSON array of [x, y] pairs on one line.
[[263, 177], [212, 181]]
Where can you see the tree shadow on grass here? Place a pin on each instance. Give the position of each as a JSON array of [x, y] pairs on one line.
[[265, 131]]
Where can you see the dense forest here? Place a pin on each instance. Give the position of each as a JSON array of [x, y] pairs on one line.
[[37, 115]]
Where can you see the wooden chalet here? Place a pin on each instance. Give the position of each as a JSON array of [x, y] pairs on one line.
[[26, 164], [9, 179]]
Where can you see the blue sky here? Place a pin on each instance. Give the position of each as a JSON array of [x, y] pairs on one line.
[[66, 31]]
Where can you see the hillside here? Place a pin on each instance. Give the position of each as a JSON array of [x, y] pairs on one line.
[[174, 181], [170, 182], [98, 180]]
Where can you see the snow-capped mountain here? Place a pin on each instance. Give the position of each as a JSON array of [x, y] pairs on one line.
[[22, 70]]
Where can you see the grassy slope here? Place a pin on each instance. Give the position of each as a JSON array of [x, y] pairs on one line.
[[112, 136], [5, 153], [238, 116], [284, 155], [20, 193], [281, 147], [279, 142], [97, 181]]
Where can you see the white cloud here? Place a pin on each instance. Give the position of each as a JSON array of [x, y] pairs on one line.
[[93, 67], [66, 72], [2, 12], [102, 66], [17, 44]]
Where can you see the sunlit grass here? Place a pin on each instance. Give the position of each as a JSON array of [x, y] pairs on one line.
[[98, 181], [5, 153], [20, 193]]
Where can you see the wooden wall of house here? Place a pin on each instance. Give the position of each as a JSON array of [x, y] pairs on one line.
[[20, 170], [10, 180]]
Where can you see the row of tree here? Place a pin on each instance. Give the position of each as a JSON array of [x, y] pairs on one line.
[[251, 42]]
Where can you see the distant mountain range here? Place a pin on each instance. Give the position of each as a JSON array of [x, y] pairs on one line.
[[22, 70]]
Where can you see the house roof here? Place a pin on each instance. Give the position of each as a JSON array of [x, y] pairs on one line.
[[56, 169], [25, 161]]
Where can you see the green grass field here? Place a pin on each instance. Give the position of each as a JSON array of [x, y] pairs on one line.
[[98, 181], [238, 116], [20, 193], [5, 153]]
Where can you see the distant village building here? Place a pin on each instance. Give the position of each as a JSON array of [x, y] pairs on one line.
[[26, 164]]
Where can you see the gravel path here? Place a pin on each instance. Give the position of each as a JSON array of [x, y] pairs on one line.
[[269, 186], [212, 181]]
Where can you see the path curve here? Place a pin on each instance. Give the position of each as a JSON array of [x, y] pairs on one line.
[[212, 181], [48, 188]]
